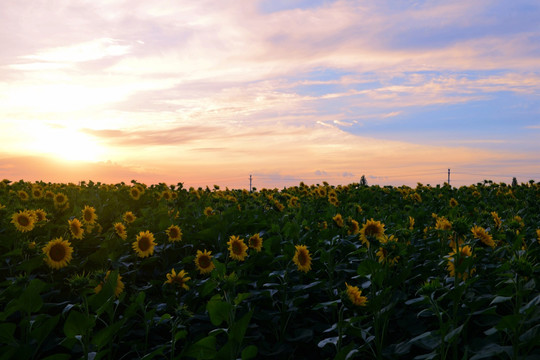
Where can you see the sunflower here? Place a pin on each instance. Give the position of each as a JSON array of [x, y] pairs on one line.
[[167, 195], [333, 200], [203, 261], [135, 192], [129, 217], [2, 206], [179, 279], [60, 200], [496, 219], [293, 202], [174, 233], [278, 206], [24, 220], [538, 235], [49, 195], [460, 255], [453, 202], [37, 192], [75, 226], [237, 248], [120, 230], [41, 215], [23, 195], [117, 290], [354, 227], [144, 245], [481, 234], [208, 211], [371, 228], [355, 295], [89, 215], [443, 224], [338, 220], [388, 252], [302, 258], [58, 252], [411, 223], [255, 242]]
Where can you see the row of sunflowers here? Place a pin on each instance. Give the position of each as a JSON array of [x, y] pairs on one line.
[[115, 271]]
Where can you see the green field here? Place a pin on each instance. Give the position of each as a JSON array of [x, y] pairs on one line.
[[124, 271]]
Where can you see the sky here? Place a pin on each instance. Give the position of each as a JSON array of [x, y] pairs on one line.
[[211, 92]]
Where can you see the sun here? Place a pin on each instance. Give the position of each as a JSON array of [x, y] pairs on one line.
[[69, 144]]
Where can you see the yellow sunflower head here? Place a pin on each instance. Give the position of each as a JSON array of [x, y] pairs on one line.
[[237, 248], [371, 229], [481, 234], [208, 211], [302, 258], [89, 215], [120, 230], [37, 192], [411, 223], [453, 202], [58, 253], [174, 233], [456, 259], [23, 195], [203, 262], [60, 200], [443, 224], [179, 279], [76, 229], [167, 195], [255, 242], [135, 192], [338, 219], [119, 288], [129, 217], [355, 295], [388, 253], [24, 220], [144, 244], [496, 219], [41, 215], [354, 227]]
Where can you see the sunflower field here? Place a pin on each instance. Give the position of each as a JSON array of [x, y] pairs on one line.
[[130, 271]]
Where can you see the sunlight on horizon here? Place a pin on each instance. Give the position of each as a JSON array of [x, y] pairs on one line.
[[67, 144]]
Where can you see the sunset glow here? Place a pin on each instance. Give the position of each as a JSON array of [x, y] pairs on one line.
[[286, 91]]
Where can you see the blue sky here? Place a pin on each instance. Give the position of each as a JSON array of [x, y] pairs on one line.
[[290, 91]]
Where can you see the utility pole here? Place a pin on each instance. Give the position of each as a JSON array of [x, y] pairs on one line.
[[448, 176], [249, 182]]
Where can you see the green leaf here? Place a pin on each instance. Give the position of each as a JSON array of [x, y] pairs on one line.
[[153, 354], [42, 329], [331, 340], [452, 334], [6, 333], [58, 357], [509, 322], [500, 299], [530, 335], [30, 300], [238, 329], [241, 297], [491, 351], [249, 352], [203, 349], [77, 324], [218, 310], [107, 334]]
